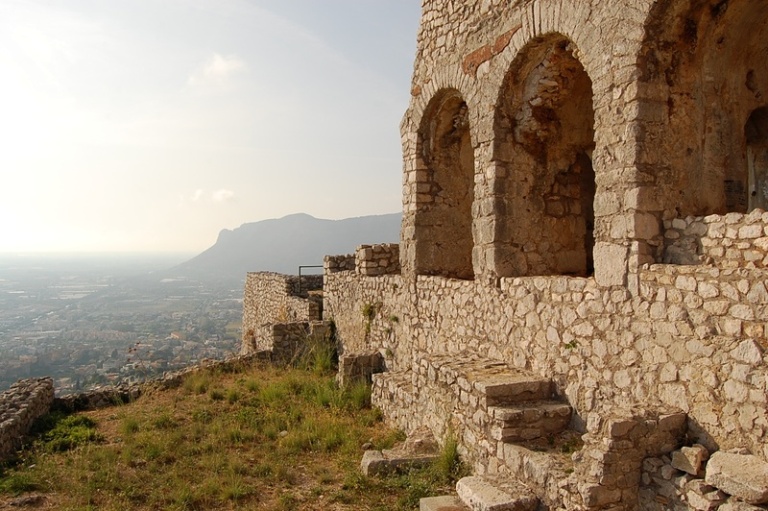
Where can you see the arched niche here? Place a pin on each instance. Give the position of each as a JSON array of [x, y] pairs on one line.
[[756, 138], [702, 76], [545, 183], [445, 191]]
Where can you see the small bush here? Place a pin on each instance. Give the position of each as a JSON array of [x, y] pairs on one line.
[[448, 467], [69, 432], [129, 426], [197, 383], [357, 396], [164, 421], [217, 395], [233, 396], [17, 483]]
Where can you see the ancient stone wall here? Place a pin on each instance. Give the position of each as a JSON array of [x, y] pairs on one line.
[[373, 260], [20, 406], [271, 298], [734, 240], [693, 338]]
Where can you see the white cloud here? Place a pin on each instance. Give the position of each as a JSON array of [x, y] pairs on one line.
[[222, 195], [197, 195], [217, 70]]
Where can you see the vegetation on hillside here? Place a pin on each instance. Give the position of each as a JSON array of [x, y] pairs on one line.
[[253, 438]]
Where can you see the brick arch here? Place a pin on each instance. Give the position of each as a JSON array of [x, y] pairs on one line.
[[441, 189], [701, 75], [543, 138]]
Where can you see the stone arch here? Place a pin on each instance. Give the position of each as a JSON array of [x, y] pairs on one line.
[[545, 183], [702, 75], [444, 176]]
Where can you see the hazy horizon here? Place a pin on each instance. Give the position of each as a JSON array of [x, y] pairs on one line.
[[148, 127]]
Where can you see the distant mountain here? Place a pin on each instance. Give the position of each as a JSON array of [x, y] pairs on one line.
[[282, 244]]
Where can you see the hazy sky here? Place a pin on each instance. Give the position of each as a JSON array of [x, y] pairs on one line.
[[150, 125]]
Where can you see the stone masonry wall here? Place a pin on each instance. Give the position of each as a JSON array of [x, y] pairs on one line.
[[734, 240], [693, 338], [373, 260], [271, 298], [20, 406]]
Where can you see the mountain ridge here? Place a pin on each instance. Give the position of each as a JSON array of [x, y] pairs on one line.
[[283, 244]]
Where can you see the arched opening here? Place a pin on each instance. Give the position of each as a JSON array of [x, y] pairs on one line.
[[446, 191], [545, 183], [703, 75], [756, 136]]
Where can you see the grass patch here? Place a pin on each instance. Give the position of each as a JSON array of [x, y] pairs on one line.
[[276, 439]]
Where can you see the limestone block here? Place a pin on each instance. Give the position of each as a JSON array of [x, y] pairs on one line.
[[444, 503], [691, 459], [735, 505], [703, 497], [742, 475], [481, 494], [610, 264]]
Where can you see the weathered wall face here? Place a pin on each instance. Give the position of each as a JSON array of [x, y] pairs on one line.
[[702, 76], [271, 298], [20, 406], [605, 135]]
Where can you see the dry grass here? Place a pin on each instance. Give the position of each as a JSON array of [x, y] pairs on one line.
[[263, 438]]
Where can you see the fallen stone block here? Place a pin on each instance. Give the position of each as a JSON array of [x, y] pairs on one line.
[[481, 494], [390, 461], [742, 475], [444, 503], [691, 459], [703, 497], [735, 505]]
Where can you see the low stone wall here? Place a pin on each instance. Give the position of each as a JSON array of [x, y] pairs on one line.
[[733, 240], [337, 263], [359, 367], [20, 406], [691, 338], [271, 298], [374, 260]]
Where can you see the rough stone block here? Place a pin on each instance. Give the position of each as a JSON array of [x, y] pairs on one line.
[[610, 264], [691, 459], [444, 503], [482, 494], [742, 475]]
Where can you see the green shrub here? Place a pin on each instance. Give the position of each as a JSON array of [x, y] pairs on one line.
[[68, 432]]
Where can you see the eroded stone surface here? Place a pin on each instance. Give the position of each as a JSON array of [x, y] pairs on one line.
[[742, 475], [691, 459], [482, 494]]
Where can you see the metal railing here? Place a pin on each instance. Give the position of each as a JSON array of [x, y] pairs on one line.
[[306, 266]]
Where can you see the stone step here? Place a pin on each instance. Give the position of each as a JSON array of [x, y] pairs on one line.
[[529, 421], [419, 450], [544, 464], [442, 503], [489, 382], [496, 494]]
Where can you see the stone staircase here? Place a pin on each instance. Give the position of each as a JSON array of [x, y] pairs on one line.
[[509, 420]]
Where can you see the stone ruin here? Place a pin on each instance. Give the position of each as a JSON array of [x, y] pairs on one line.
[[579, 295]]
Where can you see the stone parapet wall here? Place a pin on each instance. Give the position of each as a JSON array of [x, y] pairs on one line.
[[271, 298], [733, 240], [374, 260], [367, 312], [20, 406], [337, 263], [692, 338]]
